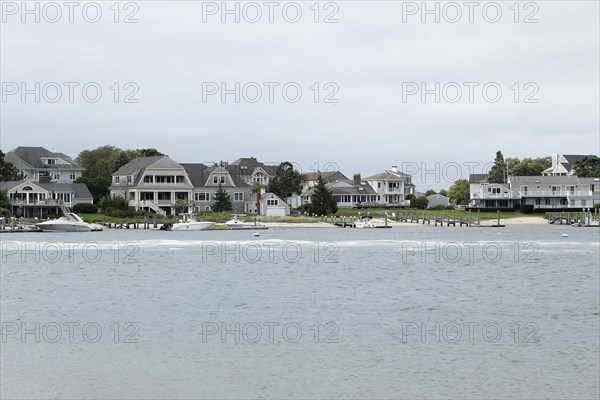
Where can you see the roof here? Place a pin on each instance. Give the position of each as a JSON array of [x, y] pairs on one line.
[[200, 173], [248, 164], [80, 190], [33, 156], [388, 175], [571, 160], [437, 195], [346, 186], [137, 164], [478, 178], [552, 180], [326, 175]]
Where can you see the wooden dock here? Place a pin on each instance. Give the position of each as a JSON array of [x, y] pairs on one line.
[[582, 218]]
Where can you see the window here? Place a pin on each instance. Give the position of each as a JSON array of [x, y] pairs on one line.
[[149, 179], [207, 208], [201, 197], [165, 179], [222, 180], [583, 203], [272, 202], [117, 179], [129, 178], [215, 179], [50, 161], [27, 188], [72, 176], [238, 196], [55, 175], [378, 185]]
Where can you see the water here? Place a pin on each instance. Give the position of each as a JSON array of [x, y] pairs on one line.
[[379, 318]]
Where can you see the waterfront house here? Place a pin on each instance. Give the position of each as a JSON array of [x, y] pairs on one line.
[[154, 184], [206, 181], [269, 204], [29, 198], [41, 165], [542, 192], [391, 186], [252, 171]]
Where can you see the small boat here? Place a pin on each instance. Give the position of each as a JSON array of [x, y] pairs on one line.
[[364, 222], [71, 222], [238, 221], [190, 223]]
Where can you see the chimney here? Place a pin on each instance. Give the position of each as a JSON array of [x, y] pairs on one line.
[[45, 179], [394, 168], [356, 179]]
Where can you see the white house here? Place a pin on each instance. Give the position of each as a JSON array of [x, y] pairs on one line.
[[38, 164], [543, 192], [270, 205], [38, 199], [391, 186], [153, 184]]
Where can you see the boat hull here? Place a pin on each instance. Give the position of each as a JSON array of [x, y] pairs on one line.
[[63, 227], [191, 226]]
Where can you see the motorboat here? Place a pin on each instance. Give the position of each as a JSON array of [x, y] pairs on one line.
[[238, 221], [190, 223], [71, 222], [364, 222]]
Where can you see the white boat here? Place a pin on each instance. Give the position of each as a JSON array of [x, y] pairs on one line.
[[190, 223], [364, 222], [238, 221], [69, 223]]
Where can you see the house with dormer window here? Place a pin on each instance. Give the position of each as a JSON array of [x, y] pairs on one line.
[[39, 164]]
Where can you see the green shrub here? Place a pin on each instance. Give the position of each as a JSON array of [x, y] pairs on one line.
[[597, 205], [85, 208], [526, 208]]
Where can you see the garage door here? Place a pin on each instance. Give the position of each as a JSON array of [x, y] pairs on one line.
[[276, 212]]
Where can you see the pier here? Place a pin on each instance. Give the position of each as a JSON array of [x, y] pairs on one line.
[[587, 218]]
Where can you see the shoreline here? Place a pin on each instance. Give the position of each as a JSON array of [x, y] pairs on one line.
[[489, 222]]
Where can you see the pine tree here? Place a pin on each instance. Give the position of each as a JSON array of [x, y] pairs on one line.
[[498, 172], [8, 172], [323, 202], [286, 181], [222, 201]]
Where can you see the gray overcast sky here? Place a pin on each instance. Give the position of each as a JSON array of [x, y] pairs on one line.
[[371, 55]]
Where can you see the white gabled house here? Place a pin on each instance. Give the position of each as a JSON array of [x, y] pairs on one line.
[[391, 186], [153, 184], [562, 164], [270, 205], [38, 199]]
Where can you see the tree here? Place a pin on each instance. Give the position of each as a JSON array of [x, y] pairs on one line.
[[498, 172], [444, 192], [587, 167], [527, 166], [220, 164], [180, 205], [98, 167], [5, 206], [430, 192], [411, 199], [257, 189], [8, 171], [323, 202], [286, 181], [459, 192], [420, 203], [222, 201], [121, 160]]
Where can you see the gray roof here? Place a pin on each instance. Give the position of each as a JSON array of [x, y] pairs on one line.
[[551, 180], [346, 187], [33, 157], [388, 175], [199, 174], [248, 164], [80, 190], [572, 159], [478, 178], [137, 164], [326, 175]]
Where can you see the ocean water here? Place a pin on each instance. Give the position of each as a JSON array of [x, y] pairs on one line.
[[410, 312]]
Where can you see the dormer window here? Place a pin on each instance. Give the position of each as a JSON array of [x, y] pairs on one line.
[[117, 179], [51, 161]]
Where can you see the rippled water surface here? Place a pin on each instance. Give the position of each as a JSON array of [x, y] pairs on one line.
[[411, 312]]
